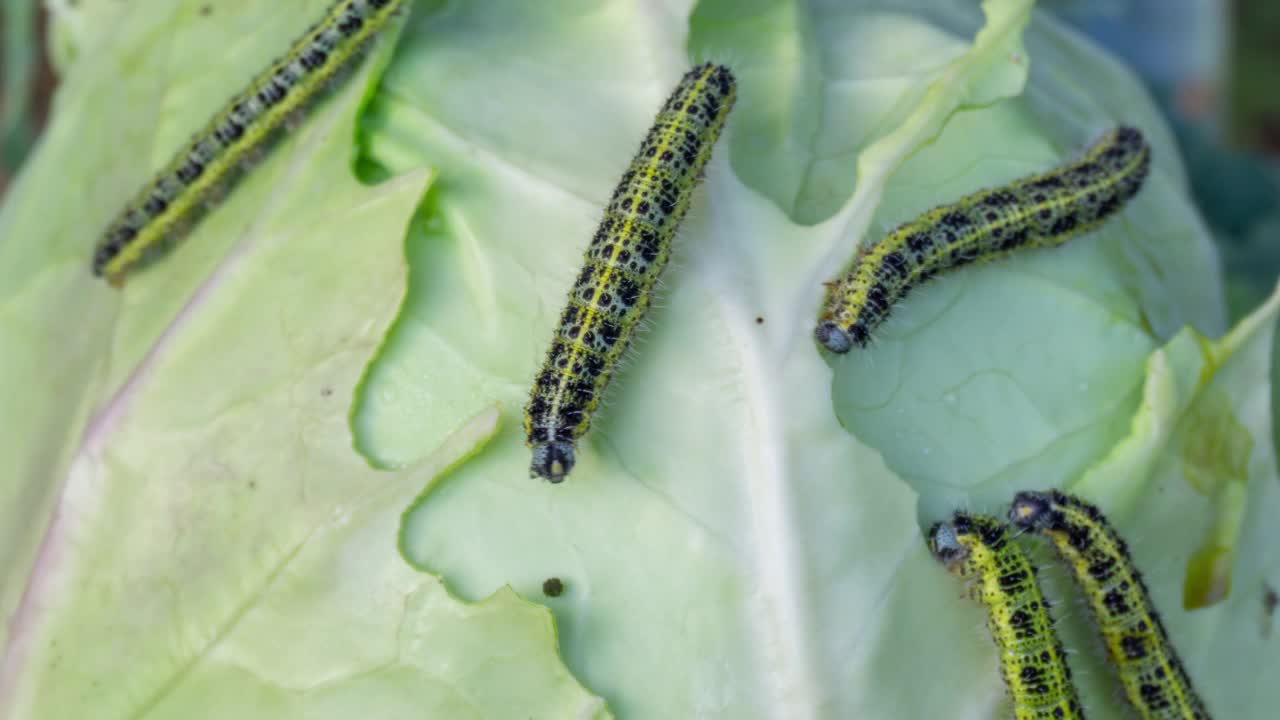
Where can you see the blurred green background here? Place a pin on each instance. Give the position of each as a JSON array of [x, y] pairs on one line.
[[26, 83], [1213, 65]]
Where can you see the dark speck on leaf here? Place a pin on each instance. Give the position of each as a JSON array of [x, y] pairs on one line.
[[552, 587], [1269, 602]]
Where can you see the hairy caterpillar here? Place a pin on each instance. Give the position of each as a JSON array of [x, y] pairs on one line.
[[979, 550], [1153, 677], [248, 124], [623, 261], [1039, 211]]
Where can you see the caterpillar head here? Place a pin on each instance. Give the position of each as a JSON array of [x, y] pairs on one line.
[[946, 546], [965, 542], [833, 338], [1033, 511], [552, 460]]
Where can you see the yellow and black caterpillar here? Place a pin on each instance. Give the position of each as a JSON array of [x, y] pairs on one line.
[[1039, 211], [979, 550], [623, 262], [249, 123], [1154, 680]]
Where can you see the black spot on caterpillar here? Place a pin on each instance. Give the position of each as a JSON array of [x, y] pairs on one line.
[[214, 159], [623, 262], [1154, 680], [979, 550], [1043, 210]]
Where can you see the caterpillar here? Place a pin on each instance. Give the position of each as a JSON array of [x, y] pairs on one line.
[[214, 158], [979, 550], [623, 261], [1042, 210], [1154, 680]]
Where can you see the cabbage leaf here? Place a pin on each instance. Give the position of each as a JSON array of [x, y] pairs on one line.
[[281, 474]]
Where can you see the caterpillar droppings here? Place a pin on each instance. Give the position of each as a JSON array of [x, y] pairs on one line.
[[623, 262], [1040, 211], [979, 550], [552, 587], [1154, 680], [211, 162]]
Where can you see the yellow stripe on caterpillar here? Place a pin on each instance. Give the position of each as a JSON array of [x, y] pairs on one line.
[[623, 262], [1043, 210], [1154, 680], [212, 161], [979, 550]]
